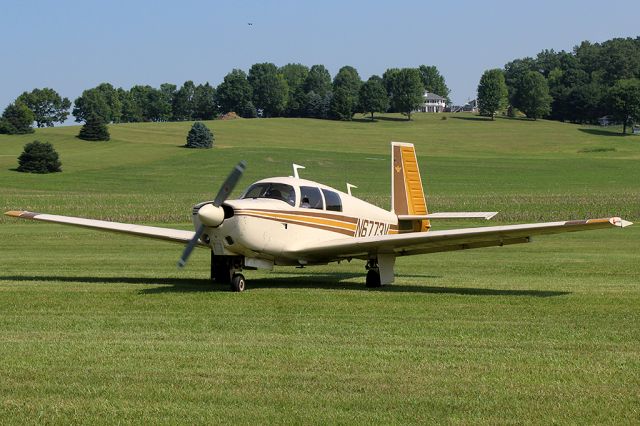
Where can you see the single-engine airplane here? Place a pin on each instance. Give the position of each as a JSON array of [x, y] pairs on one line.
[[298, 222]]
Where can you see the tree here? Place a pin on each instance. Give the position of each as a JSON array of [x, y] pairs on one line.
[[47, 106], [407, 91], [624, 101], [204, 99], [492, 93], [270, 90], [584, 103], [346, 87], [318, 80], [199, 136], [183, 102], [39, 157], [234, 93], [295, 76], [16, 119], [101, 100], [433, 81], [151, 103], [131, 111], [318, 106], [514, 72], [533, 95], [373, 96], [94, 129]]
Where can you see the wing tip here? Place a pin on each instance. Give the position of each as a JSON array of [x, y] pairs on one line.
[[618, 221], [15, 213]]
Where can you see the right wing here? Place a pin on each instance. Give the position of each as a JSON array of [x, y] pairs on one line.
[[166, 234], [438, 241]]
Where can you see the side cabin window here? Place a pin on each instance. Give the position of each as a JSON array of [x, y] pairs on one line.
[[333, 200], [310, 198], [277, 191]]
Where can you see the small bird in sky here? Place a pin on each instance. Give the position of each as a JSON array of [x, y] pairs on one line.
[[250, 23]]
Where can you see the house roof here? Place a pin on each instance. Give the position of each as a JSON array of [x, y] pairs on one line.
[[433, 97]]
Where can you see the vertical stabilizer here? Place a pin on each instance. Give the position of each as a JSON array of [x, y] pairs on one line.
[[407, 194]]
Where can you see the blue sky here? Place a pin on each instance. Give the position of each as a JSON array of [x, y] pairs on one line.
[[73, 45]]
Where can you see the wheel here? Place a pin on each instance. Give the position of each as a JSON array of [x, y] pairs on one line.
[[373, 278], [237, 282]]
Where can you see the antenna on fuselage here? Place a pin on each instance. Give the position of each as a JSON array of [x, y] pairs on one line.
[[295, 170], [349, 186]]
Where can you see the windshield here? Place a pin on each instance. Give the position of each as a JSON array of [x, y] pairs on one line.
[[277, 191]]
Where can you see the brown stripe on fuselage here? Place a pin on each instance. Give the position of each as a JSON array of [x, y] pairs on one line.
[[333, 216], [305, 218], [298, 222]]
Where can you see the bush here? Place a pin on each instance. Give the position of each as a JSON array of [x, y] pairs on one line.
[[94, 129], [39, 157], [199, 136]]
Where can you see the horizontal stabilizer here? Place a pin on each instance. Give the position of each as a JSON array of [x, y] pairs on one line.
[[450, 215]]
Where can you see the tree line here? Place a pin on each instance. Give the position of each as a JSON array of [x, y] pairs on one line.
[[592, 81], [293, 90]]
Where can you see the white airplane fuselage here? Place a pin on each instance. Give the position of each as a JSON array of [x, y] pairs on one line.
[[264, 230]]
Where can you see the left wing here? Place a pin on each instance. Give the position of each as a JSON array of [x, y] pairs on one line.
[[166, 234], [438, 241]]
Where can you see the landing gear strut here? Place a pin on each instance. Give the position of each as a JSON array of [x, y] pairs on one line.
[[225, 270], [373, 274]]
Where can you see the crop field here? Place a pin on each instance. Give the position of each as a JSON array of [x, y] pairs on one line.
[[102, 328]]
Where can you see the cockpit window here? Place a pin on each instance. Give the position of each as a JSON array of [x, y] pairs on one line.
[[333, 200], [310, 198], [277, 191]]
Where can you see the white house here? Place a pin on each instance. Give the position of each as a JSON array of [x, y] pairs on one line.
[[432, 103]]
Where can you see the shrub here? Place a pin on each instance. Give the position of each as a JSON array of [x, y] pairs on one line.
[[94, 129], [199, 136], [39, 157]]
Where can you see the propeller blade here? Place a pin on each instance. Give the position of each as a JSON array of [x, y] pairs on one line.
[[229, 184], [189, 248], [223, 193]]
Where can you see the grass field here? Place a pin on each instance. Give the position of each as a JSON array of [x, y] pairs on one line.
[[101, 328]]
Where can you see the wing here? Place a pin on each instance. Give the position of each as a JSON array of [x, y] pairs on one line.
[[166, 234], [438, 241]]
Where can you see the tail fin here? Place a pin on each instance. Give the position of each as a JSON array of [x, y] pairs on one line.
[[407, 195]]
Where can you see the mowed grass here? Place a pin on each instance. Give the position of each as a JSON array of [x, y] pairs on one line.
[[101, 328]]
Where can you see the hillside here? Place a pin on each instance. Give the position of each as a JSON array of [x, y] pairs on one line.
[[99, 326], [527, 170]]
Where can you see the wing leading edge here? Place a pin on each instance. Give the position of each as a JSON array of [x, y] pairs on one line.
[[166, 234], [439, 241]]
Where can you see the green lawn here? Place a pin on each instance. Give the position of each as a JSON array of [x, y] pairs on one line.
[[101, 328]]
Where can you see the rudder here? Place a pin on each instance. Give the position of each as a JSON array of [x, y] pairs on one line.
[[407, 194]]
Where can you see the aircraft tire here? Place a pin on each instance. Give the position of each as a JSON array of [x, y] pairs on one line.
[[373, 278], [238, 282]]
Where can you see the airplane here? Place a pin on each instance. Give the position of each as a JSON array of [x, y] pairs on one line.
[[289, 221]]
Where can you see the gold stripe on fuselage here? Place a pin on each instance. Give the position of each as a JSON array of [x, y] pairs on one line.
[[336, 223]]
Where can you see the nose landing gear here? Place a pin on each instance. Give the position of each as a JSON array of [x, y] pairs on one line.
[[226, 270]]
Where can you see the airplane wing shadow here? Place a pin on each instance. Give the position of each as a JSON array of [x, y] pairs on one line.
[[325, 281]]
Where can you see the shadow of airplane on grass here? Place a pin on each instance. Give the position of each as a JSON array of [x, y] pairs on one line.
[[599, 132], [308, 281]]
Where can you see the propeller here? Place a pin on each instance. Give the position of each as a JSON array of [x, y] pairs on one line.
[[213, 215]]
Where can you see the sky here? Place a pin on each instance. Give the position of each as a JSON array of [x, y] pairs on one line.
[[75, 45]]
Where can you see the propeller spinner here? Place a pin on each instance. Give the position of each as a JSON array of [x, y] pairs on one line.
[[212, 214]]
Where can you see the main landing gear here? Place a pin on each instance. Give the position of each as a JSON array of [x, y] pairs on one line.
[[226, 270], [373, 274]]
